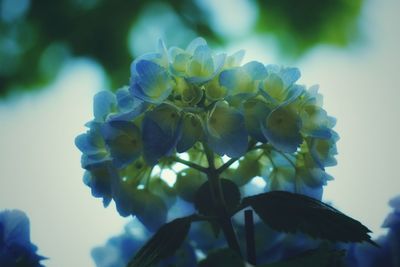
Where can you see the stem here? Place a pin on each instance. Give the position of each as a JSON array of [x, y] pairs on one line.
[[226, 165], [190, 164], [218, 195], [210, 157], [230, 235], [250, 239]]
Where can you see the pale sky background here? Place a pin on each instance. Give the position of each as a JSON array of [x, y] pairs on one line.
[[39, 165]]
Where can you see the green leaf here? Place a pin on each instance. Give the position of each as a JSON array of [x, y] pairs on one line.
[[188, 182], [204, 197], [289, 212], [163, 244], [312, 258], [222, 258]]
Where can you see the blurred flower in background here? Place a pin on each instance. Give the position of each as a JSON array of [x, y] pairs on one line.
[[16, 248], [119, 249], [388, 255]]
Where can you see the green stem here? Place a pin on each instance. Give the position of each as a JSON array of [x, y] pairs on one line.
[[190, 164], [218, 195], [226, 165], [250, 239]]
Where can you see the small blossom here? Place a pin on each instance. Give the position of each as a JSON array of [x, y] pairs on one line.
[[282, 129], [323, 151], [243, 80], [197, 63], [226, 131], [150, 82], [123, 139], [161, 131]]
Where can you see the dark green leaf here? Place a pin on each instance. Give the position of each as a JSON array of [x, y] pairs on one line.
[[163, 244], [204, 199], [222, 258], [312, 258], [202, 236], [292, 213], [188, 182]]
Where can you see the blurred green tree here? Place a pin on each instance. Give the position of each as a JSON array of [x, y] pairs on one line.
[[37, 37]]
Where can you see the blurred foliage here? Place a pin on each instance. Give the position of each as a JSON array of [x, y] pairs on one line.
[[300, 25], [37, 37], [34, 46]]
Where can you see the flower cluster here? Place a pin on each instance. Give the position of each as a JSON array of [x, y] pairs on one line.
[[16, 248], [192, 100], [361, 255]]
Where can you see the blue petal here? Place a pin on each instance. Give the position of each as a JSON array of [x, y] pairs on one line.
[[219, 61], [229, 78], [272, 89], [323, 151], [235, 59], [194, 44], [255, 113], [152, 83], [15, 226], [88, 144], [119, 249], [238, 82], [282, 129], [99, 177], [316, 122], [310, 181], [201, 66], [204, 66], [289, 76], [104, 104], [293, 93], [179, 63], [395, 203], [92, 145], [192, 131], [256, 70], [16, 248], [123, 139], [226, 131], [126, 102], [130, 107], [322, 133], [161, 130]]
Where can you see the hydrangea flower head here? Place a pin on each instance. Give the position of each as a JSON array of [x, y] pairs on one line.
[[195, 101]]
